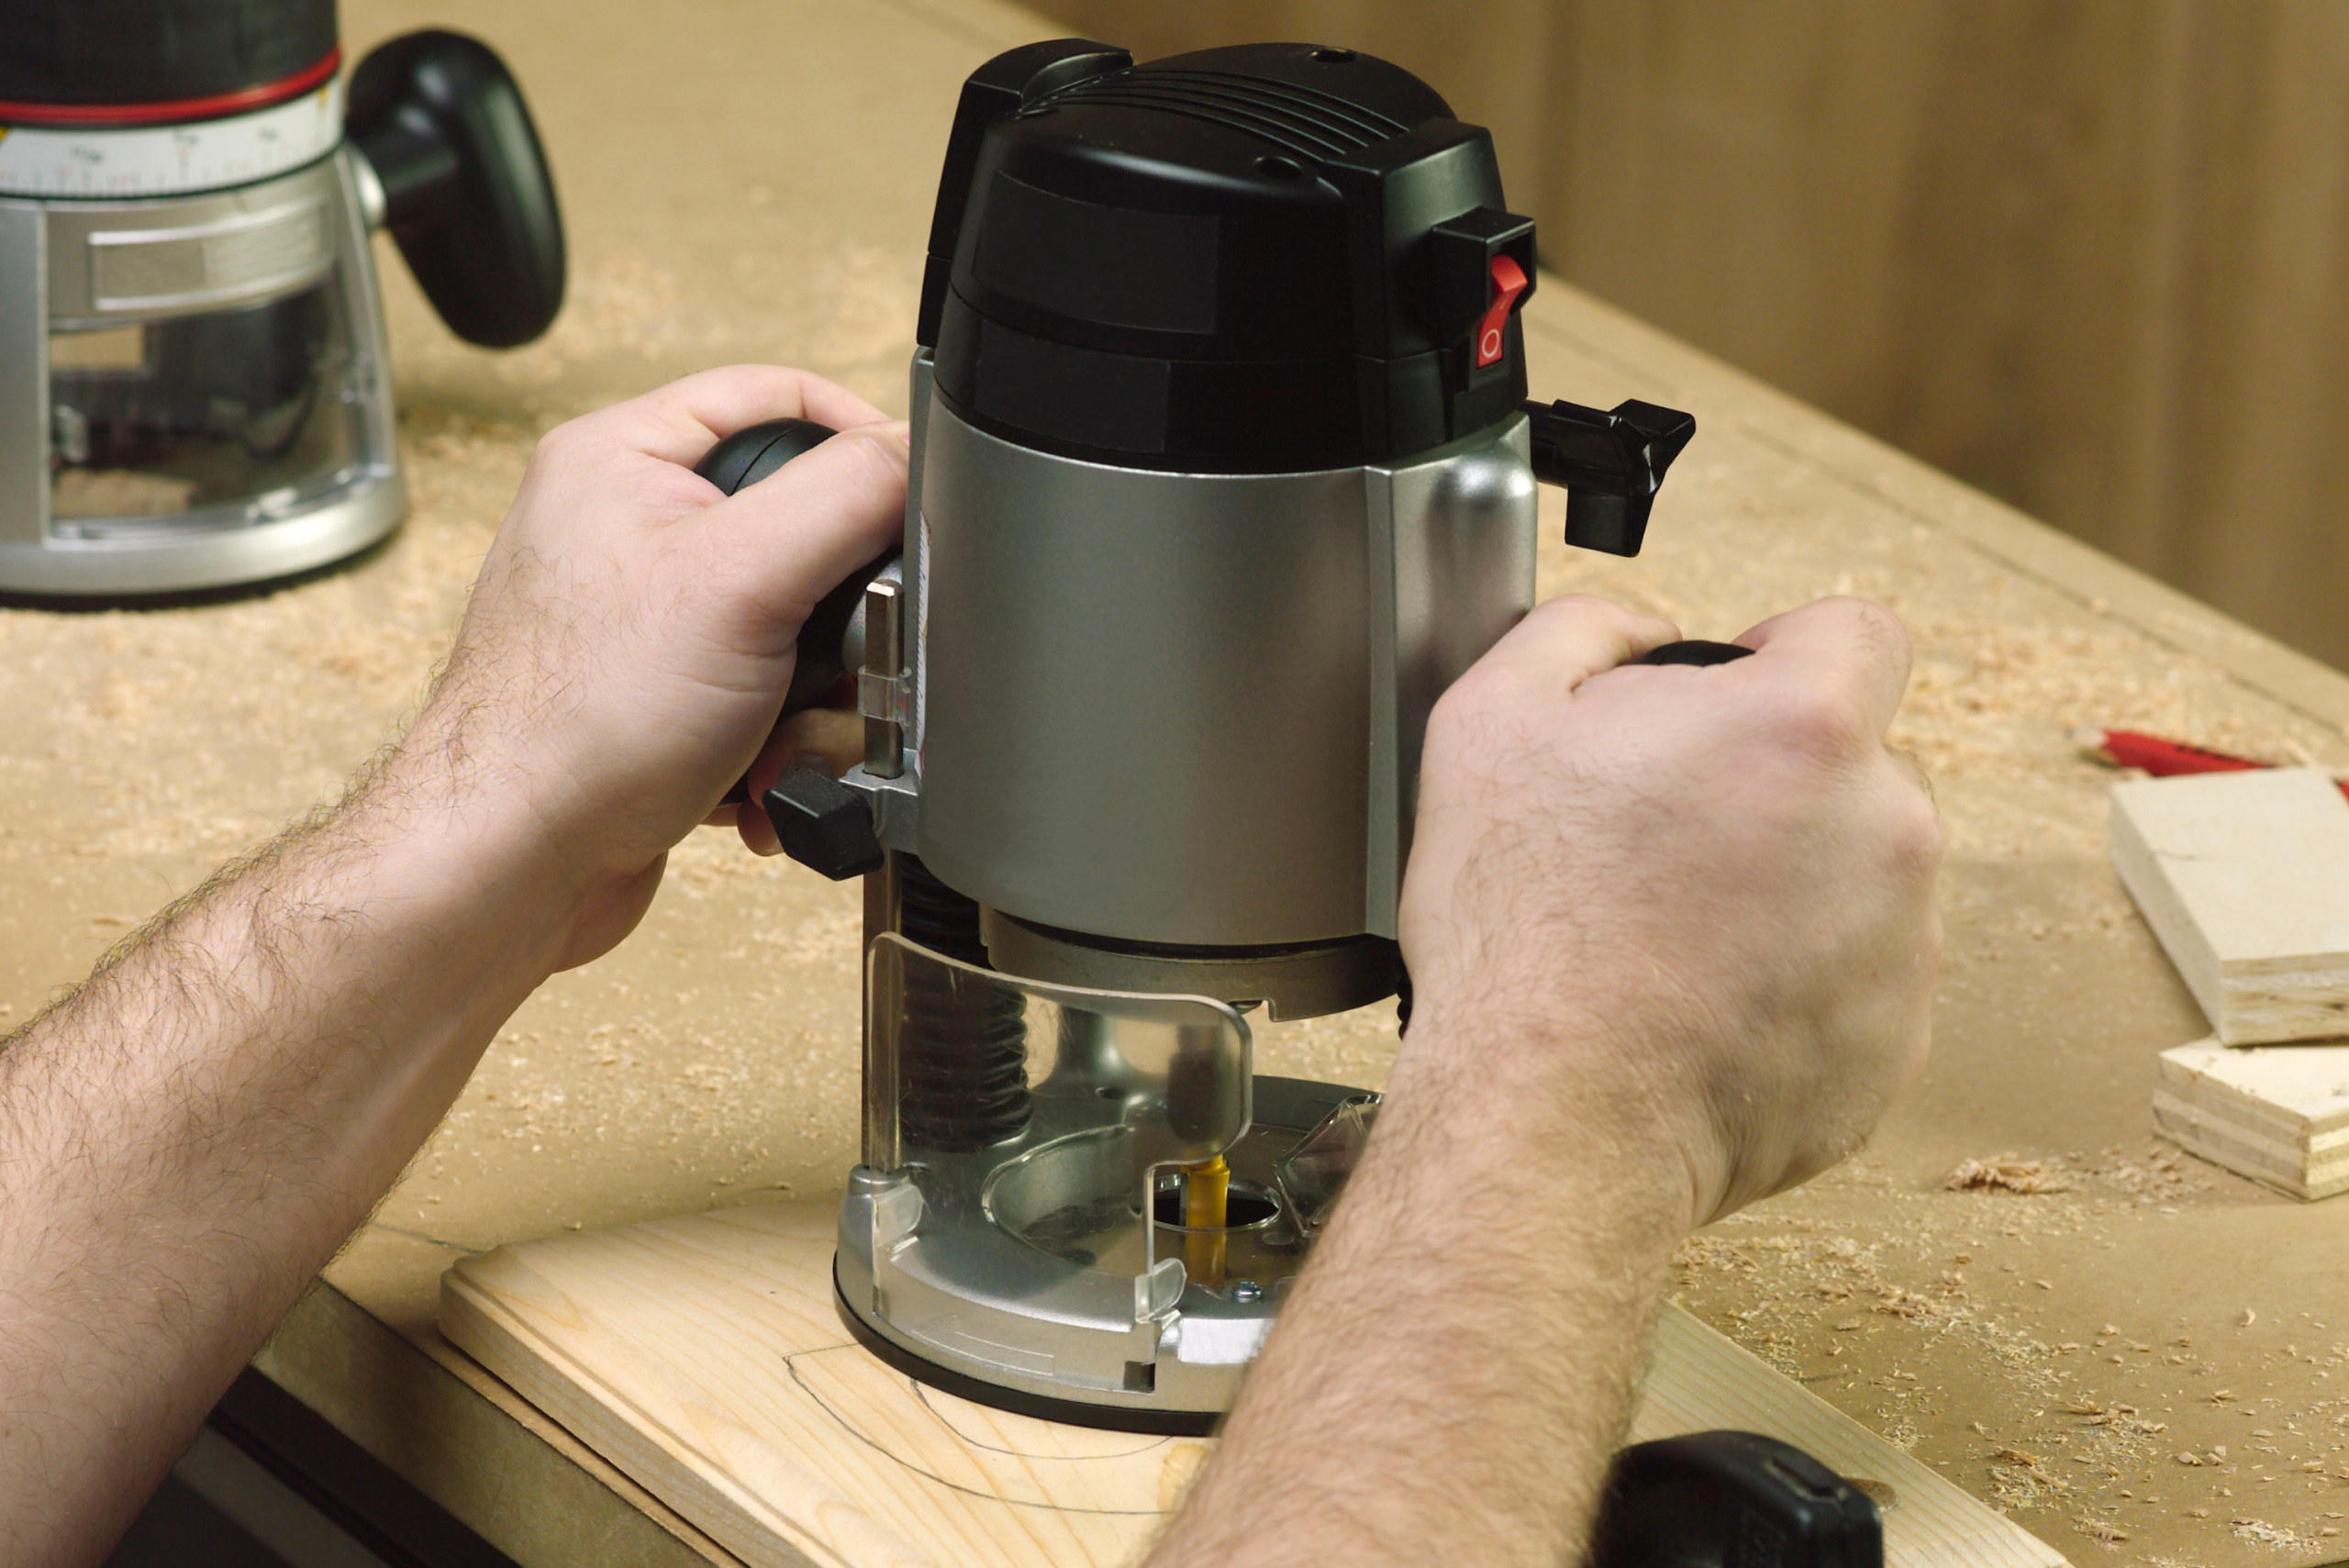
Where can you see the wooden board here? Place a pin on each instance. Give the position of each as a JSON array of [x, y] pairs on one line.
[[2244, 877], [2278, 1116], [703, 1357]]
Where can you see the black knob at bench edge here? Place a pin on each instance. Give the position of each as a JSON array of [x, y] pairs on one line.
[[1730, 1500]]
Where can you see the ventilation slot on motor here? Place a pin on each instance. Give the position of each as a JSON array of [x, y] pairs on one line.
[[1296, 119]]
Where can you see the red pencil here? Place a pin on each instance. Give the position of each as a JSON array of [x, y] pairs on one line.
[[2166, 758]]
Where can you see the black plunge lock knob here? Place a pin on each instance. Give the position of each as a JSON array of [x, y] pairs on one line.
[[1610, 464], [465, 190], [824, 825]]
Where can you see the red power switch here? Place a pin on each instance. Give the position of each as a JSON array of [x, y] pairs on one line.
[[1492, 333]]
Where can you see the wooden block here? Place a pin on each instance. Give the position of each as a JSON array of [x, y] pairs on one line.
[[703, 1357], [2278, 1116], [2244, 877]]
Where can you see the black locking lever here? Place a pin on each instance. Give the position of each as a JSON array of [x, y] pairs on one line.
[[1731, 1500], [823, 824], [1610, 464]]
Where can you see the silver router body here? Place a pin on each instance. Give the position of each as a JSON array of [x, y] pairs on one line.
[[1150, 856]]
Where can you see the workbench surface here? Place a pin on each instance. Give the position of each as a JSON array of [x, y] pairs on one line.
[[2135, 1358]]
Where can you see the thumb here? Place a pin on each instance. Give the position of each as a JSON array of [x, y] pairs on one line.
[[794, 535]]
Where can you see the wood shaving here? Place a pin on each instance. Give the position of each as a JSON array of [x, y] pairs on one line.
[[2006, 1174], [2268, 1534]]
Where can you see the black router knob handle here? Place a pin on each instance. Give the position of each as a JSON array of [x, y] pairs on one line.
[[1694, 651], [467, 194], [752, 452], [741, 461], [823, 824], [744, 458], [1611, 463]]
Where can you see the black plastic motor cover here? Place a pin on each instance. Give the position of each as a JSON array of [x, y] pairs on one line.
[[135, 54], [1262, 258]]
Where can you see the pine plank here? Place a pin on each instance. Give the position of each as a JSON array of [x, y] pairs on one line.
[[702, 1356], [2244, 877], [2278, 1116]]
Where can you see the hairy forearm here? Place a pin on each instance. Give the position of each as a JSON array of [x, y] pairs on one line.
[[187, 1138], [1456, 1366]]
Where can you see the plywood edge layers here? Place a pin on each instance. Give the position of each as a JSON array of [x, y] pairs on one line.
[[2276, 1115], [477, 1322], [2225, 1144], [2234, 1090]]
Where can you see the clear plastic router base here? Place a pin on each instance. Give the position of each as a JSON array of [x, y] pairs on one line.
[[1045, 1268]]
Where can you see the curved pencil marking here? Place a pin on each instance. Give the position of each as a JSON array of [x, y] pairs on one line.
[[791, 1362]]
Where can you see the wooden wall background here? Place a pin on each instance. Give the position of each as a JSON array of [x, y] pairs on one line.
[[2090, 255]]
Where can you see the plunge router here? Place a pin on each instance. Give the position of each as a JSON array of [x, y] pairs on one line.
[[1222, 471], [193, 390]]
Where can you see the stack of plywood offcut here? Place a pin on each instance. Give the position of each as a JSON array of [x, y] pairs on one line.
[[2244, 877], [2277, 1114]]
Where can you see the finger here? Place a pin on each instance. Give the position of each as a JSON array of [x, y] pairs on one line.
[[1576, 636], [835, 733], [796, 533], [1840, 645], [757, 830], [680, 422]]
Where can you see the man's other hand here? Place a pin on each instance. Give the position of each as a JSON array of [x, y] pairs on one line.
[[1705, 892], [630, 637]]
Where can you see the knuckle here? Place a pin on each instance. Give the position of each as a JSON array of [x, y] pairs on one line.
[[1874, 617], [1877, 630], [1589, 609], [1916, 832], [557, 445], [1826, 725], [1577, 604], [878, 468], [1489, 683]]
